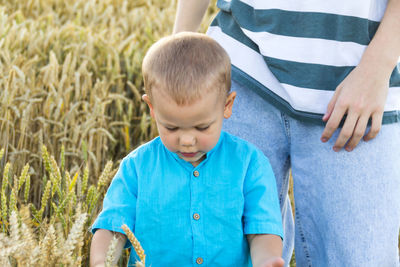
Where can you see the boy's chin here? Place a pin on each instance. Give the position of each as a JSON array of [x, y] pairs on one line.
[[194, 160]]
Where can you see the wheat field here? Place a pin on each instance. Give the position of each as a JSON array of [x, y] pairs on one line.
[[70, 109]]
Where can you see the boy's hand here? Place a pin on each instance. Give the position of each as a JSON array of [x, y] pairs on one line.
[[274, 262], [265, 250], [361, 96]]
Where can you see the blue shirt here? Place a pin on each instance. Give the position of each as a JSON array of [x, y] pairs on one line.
[[182, 214]]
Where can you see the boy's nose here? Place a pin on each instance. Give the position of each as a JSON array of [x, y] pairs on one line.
[[187, 140]]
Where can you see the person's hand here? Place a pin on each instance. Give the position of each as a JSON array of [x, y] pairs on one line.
[[273, 262], [361, 96]]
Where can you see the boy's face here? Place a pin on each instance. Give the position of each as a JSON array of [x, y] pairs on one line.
[[190, 130]]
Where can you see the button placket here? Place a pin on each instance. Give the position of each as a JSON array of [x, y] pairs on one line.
[[197, 225]]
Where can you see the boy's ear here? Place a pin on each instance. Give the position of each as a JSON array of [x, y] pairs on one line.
[[229, 104], [146, 99]]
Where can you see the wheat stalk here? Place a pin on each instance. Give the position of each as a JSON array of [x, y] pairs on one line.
[[85, 179], [48, 247], [110, 257], [24, 175], [74, 237], [6, 172], [105, 176], [136, 245]]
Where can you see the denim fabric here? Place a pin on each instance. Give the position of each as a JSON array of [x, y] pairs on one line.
[[347, 203], [180, 213]]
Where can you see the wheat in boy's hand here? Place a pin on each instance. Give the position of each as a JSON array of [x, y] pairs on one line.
[[136, 245]]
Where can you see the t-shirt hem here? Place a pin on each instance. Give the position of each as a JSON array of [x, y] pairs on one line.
[[245, 80]]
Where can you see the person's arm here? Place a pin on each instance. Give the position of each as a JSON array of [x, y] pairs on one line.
[[362, 94], [265, 250], [100, 244], [189, 15]]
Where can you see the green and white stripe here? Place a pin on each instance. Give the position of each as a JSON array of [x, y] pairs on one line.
[[294, 53]]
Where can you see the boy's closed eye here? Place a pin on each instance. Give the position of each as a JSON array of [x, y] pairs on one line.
[[171, 129], [202, 128]]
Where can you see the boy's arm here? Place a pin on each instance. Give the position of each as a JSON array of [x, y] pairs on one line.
[[100, 244], [362, 94], [265, 250], [262, 213], [189, 15]]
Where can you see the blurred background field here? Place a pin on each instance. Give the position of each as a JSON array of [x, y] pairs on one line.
[[70, 109]]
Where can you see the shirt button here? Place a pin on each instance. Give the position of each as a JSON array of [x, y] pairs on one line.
[[196, 216], [199, 260], [196, 173]]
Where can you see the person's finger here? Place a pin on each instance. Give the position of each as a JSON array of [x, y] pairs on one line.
[[358, 133], [375, 126], [347, 131], [277, 262], [331, 105], [333, 122]]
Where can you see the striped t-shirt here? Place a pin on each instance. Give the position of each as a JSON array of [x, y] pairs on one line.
[[294, 53]]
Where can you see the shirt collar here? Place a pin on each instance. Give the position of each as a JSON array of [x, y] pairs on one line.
[[188, 165]]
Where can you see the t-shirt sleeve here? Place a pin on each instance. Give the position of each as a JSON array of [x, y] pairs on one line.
[[119, 205], [262, 213]]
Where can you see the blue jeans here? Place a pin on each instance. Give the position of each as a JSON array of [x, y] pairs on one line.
[[347, 204]]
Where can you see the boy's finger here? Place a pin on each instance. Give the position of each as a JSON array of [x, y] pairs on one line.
[[346, 132], [333, 123], [358, 133], [375, 126], [276, 262]]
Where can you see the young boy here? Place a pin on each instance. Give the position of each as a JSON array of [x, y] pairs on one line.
[[194, 195]]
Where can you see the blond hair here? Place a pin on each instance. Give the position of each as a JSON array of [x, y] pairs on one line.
[[185, 66]]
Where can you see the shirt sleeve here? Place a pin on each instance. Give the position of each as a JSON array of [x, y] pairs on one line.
[[119, 205], [262, 213]]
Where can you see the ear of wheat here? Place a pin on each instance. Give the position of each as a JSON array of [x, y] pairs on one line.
[[110, 257], [136, 245]]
